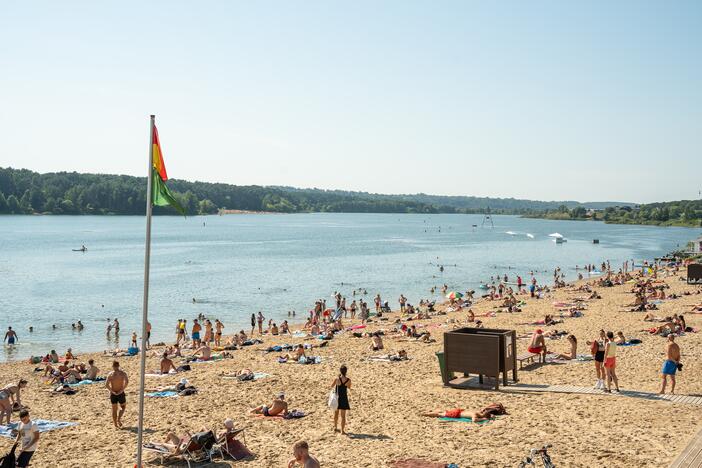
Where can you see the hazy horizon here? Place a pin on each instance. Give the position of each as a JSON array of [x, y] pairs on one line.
[[591, 101]]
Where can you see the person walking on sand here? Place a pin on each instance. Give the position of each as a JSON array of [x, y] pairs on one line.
[[28, 436], [671, 364], [301, 454], [341, 385], [611, 363], [116, 383]]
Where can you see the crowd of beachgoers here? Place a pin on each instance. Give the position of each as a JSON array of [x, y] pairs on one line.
[[344, 339]]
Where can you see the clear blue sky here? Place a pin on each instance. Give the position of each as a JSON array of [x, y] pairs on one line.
[[593, 100]]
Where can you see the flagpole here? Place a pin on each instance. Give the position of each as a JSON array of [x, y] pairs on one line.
[[145, 307]]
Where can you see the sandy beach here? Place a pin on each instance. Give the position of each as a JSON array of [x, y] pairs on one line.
[[387, 398]]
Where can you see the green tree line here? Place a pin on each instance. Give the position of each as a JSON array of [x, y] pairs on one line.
[[26, 192], [675, 213]]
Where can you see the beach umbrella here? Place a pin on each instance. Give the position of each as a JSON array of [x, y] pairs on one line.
[[454, 295]]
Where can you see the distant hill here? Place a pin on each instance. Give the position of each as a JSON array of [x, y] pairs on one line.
[[25, 192]]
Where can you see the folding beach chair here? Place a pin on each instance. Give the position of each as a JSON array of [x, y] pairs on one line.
[[201, 447], [232, 447]]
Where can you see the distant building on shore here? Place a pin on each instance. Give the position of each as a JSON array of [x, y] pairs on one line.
[[696, 247]]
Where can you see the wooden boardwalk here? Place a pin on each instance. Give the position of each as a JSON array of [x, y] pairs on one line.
[[691, 457], [682, 399]]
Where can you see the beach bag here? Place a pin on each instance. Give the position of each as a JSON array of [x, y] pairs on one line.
[[333, 400]]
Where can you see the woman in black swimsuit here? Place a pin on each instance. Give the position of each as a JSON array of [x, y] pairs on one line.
[[341, 385]]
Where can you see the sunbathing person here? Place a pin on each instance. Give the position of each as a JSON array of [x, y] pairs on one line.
[[471, 315], [573, 349], [376, 342], [204, 351], [93, 371], [400, 356], [278, 407], [71, 376], [620, 339], [173, 444], [489, 412], [296, 355], [243, 374], [167, 364], [537, 344]]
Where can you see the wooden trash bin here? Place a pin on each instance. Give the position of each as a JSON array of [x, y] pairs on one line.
[[482, 351]]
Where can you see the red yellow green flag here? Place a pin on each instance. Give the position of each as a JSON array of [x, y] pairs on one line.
[[159, 165], [160, 195]]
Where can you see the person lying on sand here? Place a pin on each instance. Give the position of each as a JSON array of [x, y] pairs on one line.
[[243, 374], [278, 407], [549, 320], [400, 356], [487, 413], [572, 313], [179, 387], [651, 317]]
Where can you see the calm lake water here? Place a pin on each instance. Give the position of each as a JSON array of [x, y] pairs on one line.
[[238, 264]]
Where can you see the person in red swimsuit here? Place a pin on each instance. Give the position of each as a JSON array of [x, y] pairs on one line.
[[537, 344], [489, 412]]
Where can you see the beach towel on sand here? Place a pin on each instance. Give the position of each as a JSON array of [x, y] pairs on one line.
[[417, 463], [42, 424], [165, 394], [86, 382], [465, 420]]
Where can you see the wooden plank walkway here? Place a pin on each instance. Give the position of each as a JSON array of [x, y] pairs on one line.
[[681, 399], [691, 457]]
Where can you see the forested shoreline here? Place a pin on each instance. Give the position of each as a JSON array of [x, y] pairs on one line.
[[27, 192]]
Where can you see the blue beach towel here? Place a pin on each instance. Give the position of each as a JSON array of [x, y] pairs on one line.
[[166, 394], [465, 420], [86, 382], [42, 424]]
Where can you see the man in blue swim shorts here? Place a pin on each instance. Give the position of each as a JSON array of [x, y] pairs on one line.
[[10, 336], [671, 364]]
